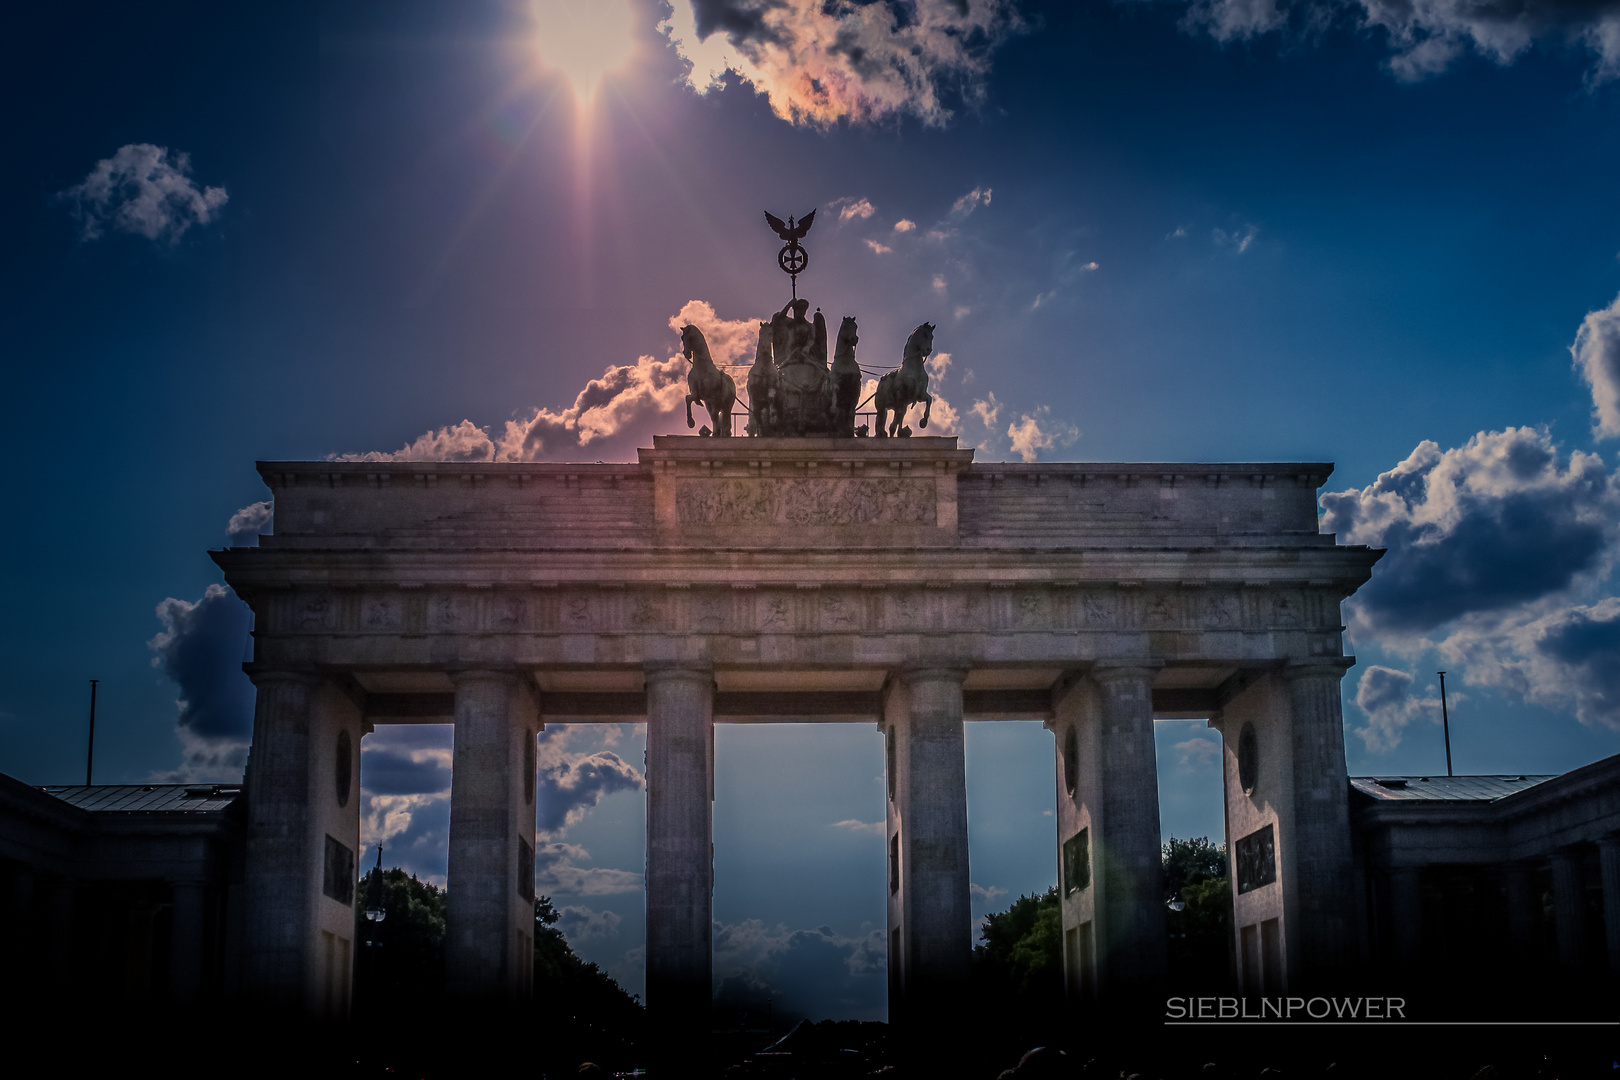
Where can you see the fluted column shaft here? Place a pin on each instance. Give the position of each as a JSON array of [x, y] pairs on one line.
[[680, 845], [1609, 862], [1321, 916], [1129, 872], [489, 916], [1569, 908]]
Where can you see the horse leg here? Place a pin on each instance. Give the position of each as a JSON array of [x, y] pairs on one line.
[[882, 431], [928, 407], [689, 421]]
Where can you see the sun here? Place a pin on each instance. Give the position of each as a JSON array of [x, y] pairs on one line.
[[584, 39]]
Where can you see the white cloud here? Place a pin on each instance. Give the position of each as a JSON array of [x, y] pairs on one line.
[[870, 828], [819, 64], [1500, 555], [986, 895], [970, 202], [962, 312], [1597, 358], [583, 923], [881, 249], [1384, 695], [1241, 237], [557, 871], [569, 785], [250, 521], [144, 190], [939, 283], [626, 400], [853, 208], [904, 225], [1029, 439], [1425, 36], [801, 971], [1198, 751], [987, 410]]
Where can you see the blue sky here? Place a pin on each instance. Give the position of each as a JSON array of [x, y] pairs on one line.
[[1341, 230]]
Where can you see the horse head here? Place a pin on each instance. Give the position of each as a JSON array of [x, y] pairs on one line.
[[693, 345], [920, 344], [848, 337], [762, 353]]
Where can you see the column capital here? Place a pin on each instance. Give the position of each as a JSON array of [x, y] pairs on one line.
[[683, 670], [262, 675], [1317, 667]]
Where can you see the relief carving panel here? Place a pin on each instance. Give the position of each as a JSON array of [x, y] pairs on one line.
[[806, 502]]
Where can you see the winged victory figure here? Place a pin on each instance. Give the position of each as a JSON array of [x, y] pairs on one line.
[[787, 230]]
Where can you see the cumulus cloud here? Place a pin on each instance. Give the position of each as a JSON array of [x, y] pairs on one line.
[[582, 923], [1567, 657], [201, 648], [815, 971], [1500, 555], [987, 410], [248, 523], [557, 871], [870, 828], [570, 784], [1500, 522], [820, 63], [1385, 696], [881, 249], [986, 895], [1198, 751], [626, 400], [905, 225], [1597, 358], [145, 190], [1425, 36], [850, 207], [1029, 438]]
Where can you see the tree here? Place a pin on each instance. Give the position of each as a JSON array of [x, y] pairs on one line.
[[583, 1011], [1200, 933], [401, 958]]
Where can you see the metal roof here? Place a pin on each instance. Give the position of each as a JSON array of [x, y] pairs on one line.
[[1443, 788], [148, 798]]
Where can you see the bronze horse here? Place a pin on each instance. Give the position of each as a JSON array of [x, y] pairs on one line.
[[846, 375], [706, 384], [907, 385], [763, 383]]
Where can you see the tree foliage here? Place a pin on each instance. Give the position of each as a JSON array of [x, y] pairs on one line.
[[583, 1012], [401, 958]]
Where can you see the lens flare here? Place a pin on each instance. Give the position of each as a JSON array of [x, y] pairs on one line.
[[583, 39]]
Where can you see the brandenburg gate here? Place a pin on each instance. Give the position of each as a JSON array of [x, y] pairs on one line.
[[887, 581]]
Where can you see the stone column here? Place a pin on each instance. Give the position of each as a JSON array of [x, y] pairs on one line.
[[186, 941], [930, 924], [680, 848], [1517, 883], [303, 831], [1128, 871], [282, 871], [1321, 914], [1609, 856], [489, 916], [1406, 914], [1569, 908]]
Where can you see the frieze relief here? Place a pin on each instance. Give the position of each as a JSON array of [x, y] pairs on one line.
[[806, 502], [828, 610]]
